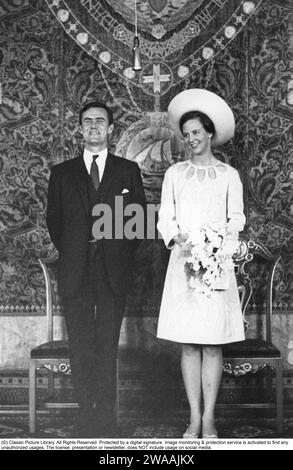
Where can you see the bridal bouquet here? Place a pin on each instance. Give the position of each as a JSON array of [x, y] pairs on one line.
[[209, 259]]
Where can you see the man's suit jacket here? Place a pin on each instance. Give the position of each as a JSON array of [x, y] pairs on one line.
[[70, 222]]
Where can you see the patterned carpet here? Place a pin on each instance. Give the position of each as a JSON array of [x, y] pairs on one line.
[[17, 427]]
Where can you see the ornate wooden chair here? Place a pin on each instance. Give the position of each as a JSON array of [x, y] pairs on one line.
[[51, 356], [255, 354]]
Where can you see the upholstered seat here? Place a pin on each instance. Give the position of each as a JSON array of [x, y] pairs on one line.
[[52, 349], [250, 348]]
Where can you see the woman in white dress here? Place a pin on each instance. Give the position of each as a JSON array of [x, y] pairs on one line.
[[201, 191]]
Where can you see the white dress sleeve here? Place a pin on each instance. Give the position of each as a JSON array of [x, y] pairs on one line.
[[235, 214], [167, 224]]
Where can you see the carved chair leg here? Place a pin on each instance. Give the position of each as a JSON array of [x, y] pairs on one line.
[[50, 384], [279, 395], [32, 397], [269, 385], [117, 393], [51, 393]]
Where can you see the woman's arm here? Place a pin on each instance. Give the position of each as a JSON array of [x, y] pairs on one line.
[[167, 224], [235, 208]]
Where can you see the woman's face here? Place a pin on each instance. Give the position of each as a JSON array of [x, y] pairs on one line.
[[196, 137]]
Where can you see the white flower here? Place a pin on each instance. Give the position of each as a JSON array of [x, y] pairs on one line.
[[196, 266], [196, 238], [204, 261]]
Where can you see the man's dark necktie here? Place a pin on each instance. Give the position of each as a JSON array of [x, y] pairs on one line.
[[94, 173]]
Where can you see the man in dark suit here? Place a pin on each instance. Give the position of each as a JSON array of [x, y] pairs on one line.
[[94, 272]]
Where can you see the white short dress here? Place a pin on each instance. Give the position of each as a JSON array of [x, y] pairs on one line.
[[194, 196]]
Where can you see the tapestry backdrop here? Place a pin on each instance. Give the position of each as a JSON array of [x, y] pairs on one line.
[[56, 55]]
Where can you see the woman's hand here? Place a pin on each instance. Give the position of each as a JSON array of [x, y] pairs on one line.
[[181, 238], [232, 243]]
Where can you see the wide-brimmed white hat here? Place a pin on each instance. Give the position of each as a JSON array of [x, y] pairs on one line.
[[197, 99]]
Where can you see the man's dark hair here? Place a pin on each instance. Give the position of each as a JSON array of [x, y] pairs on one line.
[[96, 104], [206, 122]]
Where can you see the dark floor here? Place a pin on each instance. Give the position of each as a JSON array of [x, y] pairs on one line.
[[16, 426]]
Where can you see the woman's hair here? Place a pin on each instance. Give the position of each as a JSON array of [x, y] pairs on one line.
[[206, 122]]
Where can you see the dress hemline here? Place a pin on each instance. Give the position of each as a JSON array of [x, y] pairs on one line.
[[192, 341]]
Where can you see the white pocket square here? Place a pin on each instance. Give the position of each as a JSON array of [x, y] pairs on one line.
[[124, 191]]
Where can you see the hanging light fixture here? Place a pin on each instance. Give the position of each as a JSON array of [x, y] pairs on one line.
[[136, 60]]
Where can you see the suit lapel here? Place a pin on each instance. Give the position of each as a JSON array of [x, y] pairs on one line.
[[80, 178]]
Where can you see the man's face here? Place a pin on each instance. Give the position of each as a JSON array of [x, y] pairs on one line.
[[95, 127]]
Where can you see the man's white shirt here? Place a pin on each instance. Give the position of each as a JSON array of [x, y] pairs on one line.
[[100, 161]]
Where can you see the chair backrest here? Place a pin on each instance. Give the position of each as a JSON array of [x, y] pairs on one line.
[[47, 265], [249, 251]]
